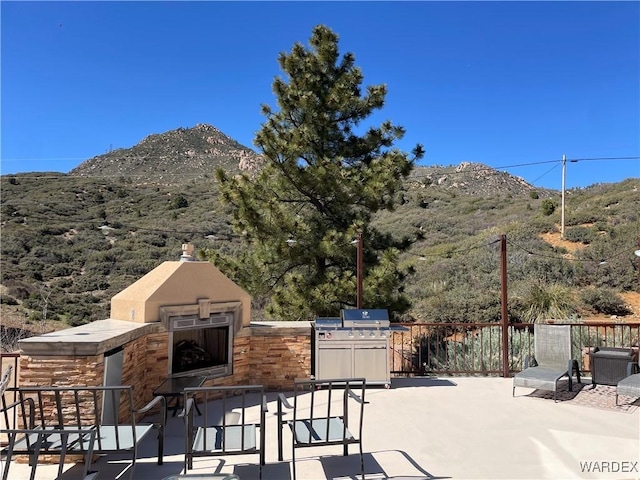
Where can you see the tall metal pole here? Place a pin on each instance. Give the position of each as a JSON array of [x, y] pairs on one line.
[[505, 316], [564, 171], [359, 271]]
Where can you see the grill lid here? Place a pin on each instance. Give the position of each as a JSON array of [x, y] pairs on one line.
[[365, 318]]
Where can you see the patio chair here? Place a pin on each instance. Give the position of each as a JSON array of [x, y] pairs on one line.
[[630, 385], [71, 421], [552, 360], [53, 441], [234, 428], [319, 420]]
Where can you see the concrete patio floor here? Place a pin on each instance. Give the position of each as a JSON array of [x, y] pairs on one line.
[[426, 428]]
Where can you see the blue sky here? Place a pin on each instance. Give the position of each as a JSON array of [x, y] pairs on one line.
[[514, 85]]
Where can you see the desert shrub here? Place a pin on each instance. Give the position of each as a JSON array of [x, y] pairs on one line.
[[580, 234], [179, 201], [62, 282], [548, 207], [18, 289], [604, 300], [8, 300], [79, 315], [34, 268], [57, 270], [540, 225]]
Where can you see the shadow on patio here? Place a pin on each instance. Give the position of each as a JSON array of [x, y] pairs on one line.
[[415, 430]]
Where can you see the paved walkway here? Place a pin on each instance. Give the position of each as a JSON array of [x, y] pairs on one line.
[[424, 428]]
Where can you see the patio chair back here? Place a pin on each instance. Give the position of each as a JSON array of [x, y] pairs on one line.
[[325, 412], [552, 345], [232, 422]]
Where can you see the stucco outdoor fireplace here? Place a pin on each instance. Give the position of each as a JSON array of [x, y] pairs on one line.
[[200, 315]]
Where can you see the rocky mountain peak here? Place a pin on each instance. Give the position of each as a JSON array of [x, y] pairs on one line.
[[173, 157]]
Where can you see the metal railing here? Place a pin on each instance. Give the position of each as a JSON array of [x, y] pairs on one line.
[[477, 348]]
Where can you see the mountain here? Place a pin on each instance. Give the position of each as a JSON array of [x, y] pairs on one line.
[[472, 179], [72, 241], [173, 157]]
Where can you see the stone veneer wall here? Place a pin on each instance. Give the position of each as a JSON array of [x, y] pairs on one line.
[[88, 371], [61, 370], [273, 357], [156, 361], [279, 356]]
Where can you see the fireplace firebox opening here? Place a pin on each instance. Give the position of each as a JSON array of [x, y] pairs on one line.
[[200, 348], [201, 338]]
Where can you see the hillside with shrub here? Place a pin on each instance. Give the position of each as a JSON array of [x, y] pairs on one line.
[[72, 241]]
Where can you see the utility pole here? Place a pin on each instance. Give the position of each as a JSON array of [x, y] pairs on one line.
[[564, 171]]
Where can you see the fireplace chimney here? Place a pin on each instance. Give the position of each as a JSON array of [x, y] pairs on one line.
[[187, 253]]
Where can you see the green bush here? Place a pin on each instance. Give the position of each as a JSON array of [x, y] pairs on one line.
[[604, 300], [548, 207], [585, 235]]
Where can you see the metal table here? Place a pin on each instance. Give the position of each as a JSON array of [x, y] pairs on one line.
[[172, 389]]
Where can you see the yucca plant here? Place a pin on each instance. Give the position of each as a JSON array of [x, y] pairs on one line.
[[542, 302]]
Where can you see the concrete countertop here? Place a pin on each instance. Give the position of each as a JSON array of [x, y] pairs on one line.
[[93, 338], [267, 328]]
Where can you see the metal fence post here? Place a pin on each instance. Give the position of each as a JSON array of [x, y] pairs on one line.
[[505, 316]]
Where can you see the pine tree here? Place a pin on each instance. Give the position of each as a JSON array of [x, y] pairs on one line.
[[319, 186]]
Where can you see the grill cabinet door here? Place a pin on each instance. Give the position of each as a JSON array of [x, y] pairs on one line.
[[370, 362], [334, 360]]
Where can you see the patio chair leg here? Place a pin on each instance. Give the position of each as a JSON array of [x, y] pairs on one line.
[[293, 459], [132, 467]]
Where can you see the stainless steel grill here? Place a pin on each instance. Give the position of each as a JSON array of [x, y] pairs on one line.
[[355, 345]]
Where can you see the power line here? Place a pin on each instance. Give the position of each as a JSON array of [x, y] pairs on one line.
[[528, 164], [195, 175], [556, 257]]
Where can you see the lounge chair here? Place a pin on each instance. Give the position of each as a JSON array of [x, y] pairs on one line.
[[630, 385], [552, 360]]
